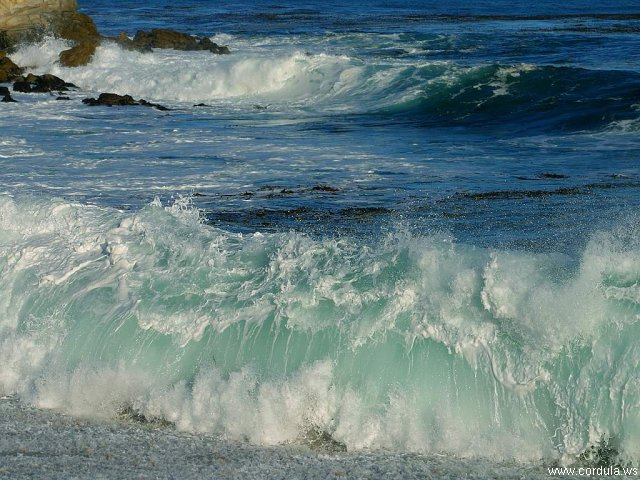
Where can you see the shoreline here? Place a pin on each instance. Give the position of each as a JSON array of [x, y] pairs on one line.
[[44, 444]]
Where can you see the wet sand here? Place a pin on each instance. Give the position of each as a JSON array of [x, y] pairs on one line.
[[48, 445]]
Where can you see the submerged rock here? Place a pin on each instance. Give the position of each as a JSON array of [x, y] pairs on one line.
[[41, 84], [165, 38], [115, 100]]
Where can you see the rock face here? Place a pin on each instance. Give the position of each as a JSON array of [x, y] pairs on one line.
[[23, 15], [25, 20]]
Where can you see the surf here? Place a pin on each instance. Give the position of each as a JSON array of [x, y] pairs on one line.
[[524, 98]]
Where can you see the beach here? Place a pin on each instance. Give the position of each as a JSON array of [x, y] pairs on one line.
[[48, 445]]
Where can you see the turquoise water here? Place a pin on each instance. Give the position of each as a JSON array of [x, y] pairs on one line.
[[411, 227]]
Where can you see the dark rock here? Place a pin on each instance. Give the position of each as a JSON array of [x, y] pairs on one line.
[[164, 38], [207, 44], [555, 176], [325, 188], [157, 106], [41, 84], [115, 100], [79, 55], [63, 98], [4, 91], [110, 100], [201, 105], [9, 71], [7, 99]]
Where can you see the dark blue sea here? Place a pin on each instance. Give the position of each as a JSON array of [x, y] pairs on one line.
[[405, 226]]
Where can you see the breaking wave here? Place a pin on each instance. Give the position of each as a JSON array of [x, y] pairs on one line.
[[407, 343], [520, 96]]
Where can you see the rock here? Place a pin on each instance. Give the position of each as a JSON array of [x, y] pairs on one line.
[[325, 188], [6, 95], [110, 100], [24, 20], [8, 99], [207, 44], [77, 27], [126, 43], [153, 105], [63, 98], [115, 100], [9, 71], [80, 29], [79, 55], [41, 84], [164, 38]]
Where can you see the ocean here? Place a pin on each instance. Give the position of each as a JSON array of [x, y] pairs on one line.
[[406, 227]]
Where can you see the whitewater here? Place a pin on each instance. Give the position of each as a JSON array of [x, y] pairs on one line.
[[401, 238]]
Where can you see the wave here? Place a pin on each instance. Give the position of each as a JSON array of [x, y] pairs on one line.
[[407, 343], [521, 97]]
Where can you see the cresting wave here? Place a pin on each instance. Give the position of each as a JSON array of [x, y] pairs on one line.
[[409, 343], [521, 97]]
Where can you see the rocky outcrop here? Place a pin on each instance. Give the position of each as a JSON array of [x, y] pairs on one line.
[[164, 38], [115, 100], [29, 20]]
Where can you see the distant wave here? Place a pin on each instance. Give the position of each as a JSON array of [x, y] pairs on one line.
[[515, 97], [409, 343]]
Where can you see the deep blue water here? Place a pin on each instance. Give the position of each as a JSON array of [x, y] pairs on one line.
[[438, 131]]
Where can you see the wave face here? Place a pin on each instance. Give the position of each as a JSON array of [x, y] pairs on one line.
[[432, 93], [407, 343]]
